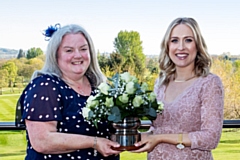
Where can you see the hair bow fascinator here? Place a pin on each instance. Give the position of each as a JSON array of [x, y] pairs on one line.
[[50, 30]]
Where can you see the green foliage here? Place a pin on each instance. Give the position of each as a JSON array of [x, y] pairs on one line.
[[12, 72], [152, 65], [230, 76], [129, 45], [34, 52], [17, 72], [3, 78]]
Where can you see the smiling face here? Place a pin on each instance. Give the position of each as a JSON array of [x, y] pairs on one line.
[[182, 47], [73, 56]]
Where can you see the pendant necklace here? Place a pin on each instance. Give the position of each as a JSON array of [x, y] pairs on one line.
[[80, 88], [175, 80], [81, 91]]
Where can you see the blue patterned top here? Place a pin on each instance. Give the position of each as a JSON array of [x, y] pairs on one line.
[[48, 98]]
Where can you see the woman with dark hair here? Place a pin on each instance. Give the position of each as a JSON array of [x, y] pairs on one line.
[[52, 102], [191, 123]]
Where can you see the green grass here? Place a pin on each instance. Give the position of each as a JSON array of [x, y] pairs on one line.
[[7, 106], [229, 146], [13, 143]]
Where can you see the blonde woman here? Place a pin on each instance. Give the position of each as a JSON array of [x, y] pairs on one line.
[[191, 123]]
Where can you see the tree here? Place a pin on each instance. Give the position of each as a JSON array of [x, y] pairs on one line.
[[103, 61], [3, 79], [152, 65], [12, 72], [34, 52], [21, 54], [116, 61], [129, 45]]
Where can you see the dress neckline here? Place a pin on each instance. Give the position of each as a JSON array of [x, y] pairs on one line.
[[181, 94]]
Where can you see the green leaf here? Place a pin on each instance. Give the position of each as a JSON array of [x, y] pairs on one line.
[[95, 124], [115, 110], [112, 117], [152, 112], [90, 114], [117, 118]]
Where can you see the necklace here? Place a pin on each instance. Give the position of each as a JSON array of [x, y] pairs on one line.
[[81, 91], [184, 80]]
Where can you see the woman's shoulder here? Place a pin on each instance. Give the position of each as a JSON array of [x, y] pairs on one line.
[[44, 80], [211, 77], [211, 80]]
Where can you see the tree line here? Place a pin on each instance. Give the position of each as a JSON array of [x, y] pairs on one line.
[[127, 56]]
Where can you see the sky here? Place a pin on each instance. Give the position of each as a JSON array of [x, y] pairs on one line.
[[22, 21]]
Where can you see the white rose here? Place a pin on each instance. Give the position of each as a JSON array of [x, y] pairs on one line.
[[85, 112], [91, 102], [134, 79], [138, 101], [123, 98], [103, 87], [152, 96], [109, 102], [160, 106], [144, 87], [130, 89], [90, 98], [125, 77]]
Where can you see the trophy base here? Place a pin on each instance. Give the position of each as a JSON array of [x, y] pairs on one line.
[[126, 148]]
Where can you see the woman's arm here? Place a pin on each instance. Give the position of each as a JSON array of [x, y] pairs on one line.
[[149, 141], [211, 123], [45, 139], [212, 98]]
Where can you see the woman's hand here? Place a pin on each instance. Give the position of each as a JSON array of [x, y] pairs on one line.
[[149, 141], [104, 146]]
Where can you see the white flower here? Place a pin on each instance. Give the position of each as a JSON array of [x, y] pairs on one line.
[[152, 97], [103, 87], [160, 106], [85, 112], [125, 77], [134, 79], [91, 102], [90, 99], [130, 89], [123, 98], [144, 87], [138, 101], [109, 102]]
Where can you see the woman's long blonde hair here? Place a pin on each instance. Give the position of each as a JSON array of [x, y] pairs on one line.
[[202, 61]]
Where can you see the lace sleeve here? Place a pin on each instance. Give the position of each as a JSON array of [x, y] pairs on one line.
[[212, 103]]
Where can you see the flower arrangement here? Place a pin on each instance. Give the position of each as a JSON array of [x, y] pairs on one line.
[[122, 97]]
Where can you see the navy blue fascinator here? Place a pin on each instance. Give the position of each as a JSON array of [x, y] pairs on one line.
[[50, 30]]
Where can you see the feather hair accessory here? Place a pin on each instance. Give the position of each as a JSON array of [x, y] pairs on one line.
[[50, 30]]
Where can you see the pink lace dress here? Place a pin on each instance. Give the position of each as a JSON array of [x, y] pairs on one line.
[[197, 111]]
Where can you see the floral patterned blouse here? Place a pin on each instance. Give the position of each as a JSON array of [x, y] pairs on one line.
[[48, 98], [198, 110]]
